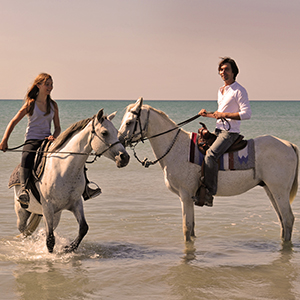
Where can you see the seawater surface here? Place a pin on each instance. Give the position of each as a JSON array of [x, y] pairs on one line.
[[134, 248]]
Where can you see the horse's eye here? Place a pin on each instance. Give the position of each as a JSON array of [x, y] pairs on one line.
[[128, 123], [105, 133]]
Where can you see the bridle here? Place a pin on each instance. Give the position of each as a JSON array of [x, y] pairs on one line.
[[146, 163], [109, 146], [138, 123], [94, 133]]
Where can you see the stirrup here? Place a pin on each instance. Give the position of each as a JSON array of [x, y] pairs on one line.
[[203, 197], [90, 193]]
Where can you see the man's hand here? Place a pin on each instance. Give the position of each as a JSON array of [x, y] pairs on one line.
[[218, 115], [202, 113]]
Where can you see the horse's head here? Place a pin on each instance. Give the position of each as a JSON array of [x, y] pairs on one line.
[[134, 124], [104, 140]]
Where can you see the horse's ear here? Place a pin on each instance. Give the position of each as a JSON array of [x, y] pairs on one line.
[[138, 105], [140, 102], [100, 115], [111, 116]]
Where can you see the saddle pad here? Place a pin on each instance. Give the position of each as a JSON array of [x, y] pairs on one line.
[[239, 160], [39, 165], [14, 178]]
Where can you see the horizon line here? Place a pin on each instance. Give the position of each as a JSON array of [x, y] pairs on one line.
[[152, 100]]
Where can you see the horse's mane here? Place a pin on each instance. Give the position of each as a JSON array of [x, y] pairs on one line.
[[160, 112], [69, 132]]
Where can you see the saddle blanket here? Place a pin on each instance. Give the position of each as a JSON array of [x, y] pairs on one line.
[[38, 168], [239, 160]]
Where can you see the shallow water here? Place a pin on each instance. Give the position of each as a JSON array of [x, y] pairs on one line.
[[134, 248]]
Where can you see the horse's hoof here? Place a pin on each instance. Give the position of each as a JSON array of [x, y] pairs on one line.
[[69, 249], [50, 242]]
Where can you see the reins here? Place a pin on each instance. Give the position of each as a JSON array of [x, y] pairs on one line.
[[178, 125], [15, 149], [146, 162], [69, 152], [109, 146]]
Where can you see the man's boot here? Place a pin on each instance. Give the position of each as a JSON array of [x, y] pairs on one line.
[[23, 195], [203, 197]]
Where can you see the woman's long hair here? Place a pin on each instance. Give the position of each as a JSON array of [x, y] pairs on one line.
[[33, 92]]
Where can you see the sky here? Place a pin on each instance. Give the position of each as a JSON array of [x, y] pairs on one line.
[[156, 49]]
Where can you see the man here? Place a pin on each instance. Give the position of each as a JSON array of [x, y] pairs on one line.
[[234, 106]]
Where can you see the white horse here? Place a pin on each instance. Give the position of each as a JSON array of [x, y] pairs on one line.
[[63, 181], [276, 165]]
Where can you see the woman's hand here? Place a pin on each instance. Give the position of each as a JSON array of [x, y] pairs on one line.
[[3, 146], [50, 138]]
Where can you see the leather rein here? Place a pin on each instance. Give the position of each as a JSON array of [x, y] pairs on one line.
[[109, 146], [146, 162]]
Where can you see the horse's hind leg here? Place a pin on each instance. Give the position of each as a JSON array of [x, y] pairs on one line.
[[83, 228], [281, 204]]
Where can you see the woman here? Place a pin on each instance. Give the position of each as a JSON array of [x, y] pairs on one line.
[[41, 111]]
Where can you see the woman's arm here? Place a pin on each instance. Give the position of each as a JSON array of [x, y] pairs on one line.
[[56, 122], [11, 125]]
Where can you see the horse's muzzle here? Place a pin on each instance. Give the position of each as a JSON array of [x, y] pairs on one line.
[[122, 159]]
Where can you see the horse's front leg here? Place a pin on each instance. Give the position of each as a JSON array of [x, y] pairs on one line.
[[188, 223], [48, 216], [83, 226], [22, 217]]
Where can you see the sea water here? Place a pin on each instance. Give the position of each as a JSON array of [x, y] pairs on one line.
[[134, 248]]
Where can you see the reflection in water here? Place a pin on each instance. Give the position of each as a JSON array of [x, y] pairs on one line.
[[81, 275], [52, 280], [195, 279], [189, 252]]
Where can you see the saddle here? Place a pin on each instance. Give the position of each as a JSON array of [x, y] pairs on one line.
[[38, 169], [205, 139]]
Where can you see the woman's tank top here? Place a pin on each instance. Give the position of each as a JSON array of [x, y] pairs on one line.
[[39, 125]]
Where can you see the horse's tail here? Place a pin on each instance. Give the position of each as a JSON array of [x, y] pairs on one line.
[[294, 188], [32, 224]]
